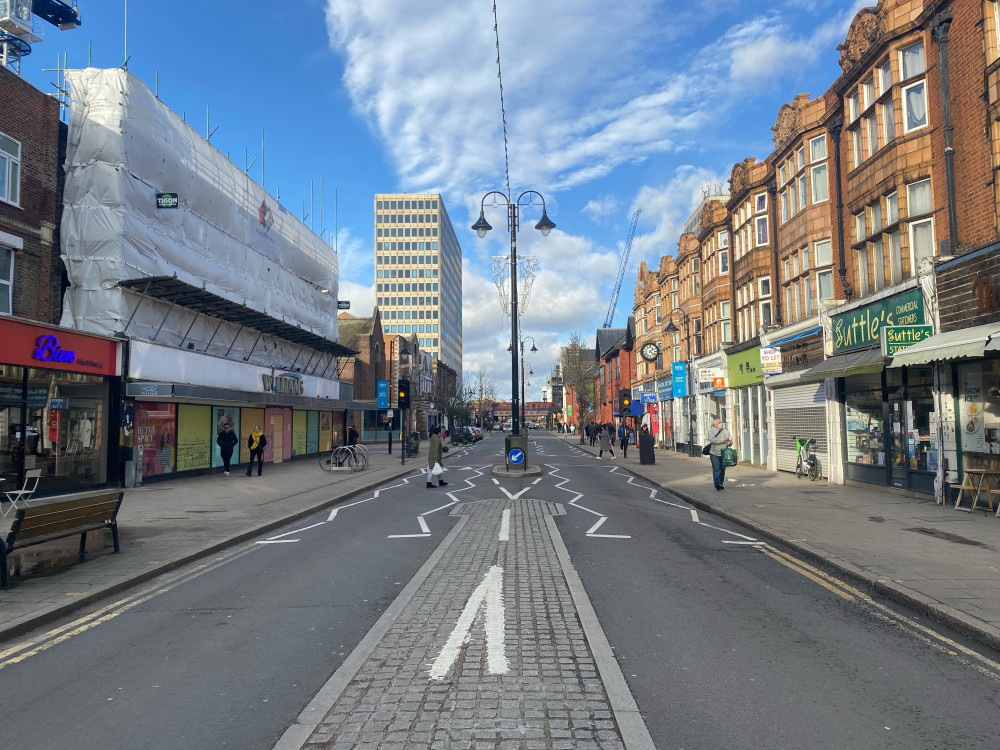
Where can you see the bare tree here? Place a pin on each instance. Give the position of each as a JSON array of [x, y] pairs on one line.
[[452, 401], [482, 391], [579, 370]]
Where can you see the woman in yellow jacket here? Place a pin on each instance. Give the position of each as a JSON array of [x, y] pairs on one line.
[[256, 443]]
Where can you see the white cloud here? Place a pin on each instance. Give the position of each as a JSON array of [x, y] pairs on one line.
[[600, 208]]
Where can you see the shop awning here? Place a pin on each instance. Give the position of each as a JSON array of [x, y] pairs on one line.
[[851, 363], [968, 342], [181, 293], [795, 337]]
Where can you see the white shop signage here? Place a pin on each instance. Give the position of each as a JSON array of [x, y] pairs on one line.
[[153, 362]]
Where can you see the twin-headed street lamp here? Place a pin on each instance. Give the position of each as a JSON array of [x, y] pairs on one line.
[[530, 372], [671, 328], [545, 225]]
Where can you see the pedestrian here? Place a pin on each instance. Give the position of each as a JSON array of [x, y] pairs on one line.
[[625, 436], [718, 439], [227, 440], [352, 435], [606, 441], [435, 455], [592, 433], [256, 443]]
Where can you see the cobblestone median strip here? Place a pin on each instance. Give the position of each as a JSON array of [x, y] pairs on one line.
[[546, 694]]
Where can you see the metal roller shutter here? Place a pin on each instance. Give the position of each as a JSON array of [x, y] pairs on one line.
[[800, 411]]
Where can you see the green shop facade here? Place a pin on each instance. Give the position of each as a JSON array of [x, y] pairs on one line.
[[889, 426]]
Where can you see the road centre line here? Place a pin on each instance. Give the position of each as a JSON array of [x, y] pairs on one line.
[[505, 526], [406, 536], [289, 533], [278, 541]]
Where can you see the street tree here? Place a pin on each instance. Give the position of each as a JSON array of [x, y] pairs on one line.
[[579, 369], [481, 391]]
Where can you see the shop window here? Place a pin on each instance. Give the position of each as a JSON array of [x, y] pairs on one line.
[[864, 415], [6, 280], [10, 169]]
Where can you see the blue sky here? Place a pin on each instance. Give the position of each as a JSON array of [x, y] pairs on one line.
[[611, 106]]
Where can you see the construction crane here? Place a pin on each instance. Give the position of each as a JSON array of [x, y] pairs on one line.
[[621, 268]]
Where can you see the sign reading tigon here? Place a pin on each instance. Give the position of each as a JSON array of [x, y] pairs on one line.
[[861, 328], [897, 338]]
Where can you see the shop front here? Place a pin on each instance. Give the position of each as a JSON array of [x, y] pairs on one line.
[[889, 429], [58, 407], [749, 424], [798, 404], [710, 387], [962, 430], [177, 422], [684, 423], [665, 402]]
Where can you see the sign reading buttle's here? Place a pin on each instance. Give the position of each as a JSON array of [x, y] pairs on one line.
[[897, 338]]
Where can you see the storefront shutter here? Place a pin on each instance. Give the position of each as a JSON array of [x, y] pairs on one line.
[[800, 411]]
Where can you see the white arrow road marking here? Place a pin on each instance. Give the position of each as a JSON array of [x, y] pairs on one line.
[[505, 526], [513, 497], [490, 594]]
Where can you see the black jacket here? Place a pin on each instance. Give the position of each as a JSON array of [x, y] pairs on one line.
[[260, 445], [227, 440]]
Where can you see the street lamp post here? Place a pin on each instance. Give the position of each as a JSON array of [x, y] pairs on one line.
[[671, 328], [544, 225], [532, 350], [404, 439]]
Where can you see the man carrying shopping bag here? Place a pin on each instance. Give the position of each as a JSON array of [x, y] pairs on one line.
[[435, 454]]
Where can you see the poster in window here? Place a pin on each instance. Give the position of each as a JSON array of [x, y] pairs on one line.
[[155, 436], [971, 416]]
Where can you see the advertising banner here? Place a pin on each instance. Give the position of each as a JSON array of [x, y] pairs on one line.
[[770, 360], [679, 371], [155, 434]]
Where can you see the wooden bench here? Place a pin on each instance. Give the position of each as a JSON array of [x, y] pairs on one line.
[[62, 516]]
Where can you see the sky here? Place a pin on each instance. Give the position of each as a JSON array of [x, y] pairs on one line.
[[611, 107]]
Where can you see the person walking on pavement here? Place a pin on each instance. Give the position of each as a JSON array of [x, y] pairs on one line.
[[606, 440], [352, 435], [625, 436], [435, 455], [256, 443], [719, 438], [227, 440], [592, 433]]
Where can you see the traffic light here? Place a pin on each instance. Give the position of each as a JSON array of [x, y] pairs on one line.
[[404, 393], [625, 402]]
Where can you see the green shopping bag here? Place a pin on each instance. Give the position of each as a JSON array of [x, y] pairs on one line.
[[729, 457]]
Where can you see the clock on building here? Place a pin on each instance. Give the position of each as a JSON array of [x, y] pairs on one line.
[[649, 351]]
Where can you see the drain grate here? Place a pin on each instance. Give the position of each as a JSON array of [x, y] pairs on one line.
[[948, 537]]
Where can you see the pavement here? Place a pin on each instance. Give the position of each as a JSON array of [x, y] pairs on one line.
[[931, 558]]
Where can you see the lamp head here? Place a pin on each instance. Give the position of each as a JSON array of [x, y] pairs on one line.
[[671, 328], [544, 225], [482, 226], [533, 347]]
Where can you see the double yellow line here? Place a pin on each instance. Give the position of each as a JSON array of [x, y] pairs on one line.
[[850, 593], [26, 649]]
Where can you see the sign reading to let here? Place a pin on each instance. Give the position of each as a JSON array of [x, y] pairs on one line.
[[862, 327], [897, 338]]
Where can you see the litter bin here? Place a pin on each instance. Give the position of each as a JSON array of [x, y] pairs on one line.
[[414, 443], [646, 453]]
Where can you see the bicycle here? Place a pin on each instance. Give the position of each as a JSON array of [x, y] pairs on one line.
[[806, 464], [354, 457]]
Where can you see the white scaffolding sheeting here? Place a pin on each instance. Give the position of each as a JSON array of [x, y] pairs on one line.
[[227, 235]]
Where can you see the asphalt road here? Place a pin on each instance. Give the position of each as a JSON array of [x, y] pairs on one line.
[[725, 642], [725, 645]]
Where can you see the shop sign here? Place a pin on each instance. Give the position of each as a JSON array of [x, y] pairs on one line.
[[57, 349], [707, 376], [344, 304], [679, 372], [664, 389], [897, 338], [58, 403], [744, 368], [861, 328], [718, 383], [972, 404], [167, 200], [382, 398], [288, 383], [969, 290], [770, 360], [38, 395], [647, 398]]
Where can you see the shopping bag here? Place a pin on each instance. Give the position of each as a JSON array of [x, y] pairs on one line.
[[437, 470], [729, 457]]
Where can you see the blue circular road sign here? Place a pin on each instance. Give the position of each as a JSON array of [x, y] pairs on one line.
[[515, 456]]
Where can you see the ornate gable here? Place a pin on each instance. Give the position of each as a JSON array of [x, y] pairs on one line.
[[867, 27], [788, 123], [740, 177]]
